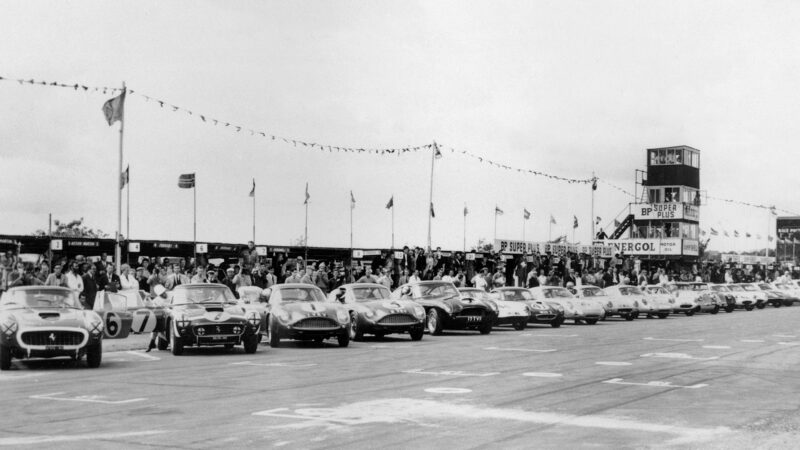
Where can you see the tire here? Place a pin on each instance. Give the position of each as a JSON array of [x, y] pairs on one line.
[[273, 338], [5, 357], [729, 309], [433, 323], [380, 336], [355, 331], [715, 310], [749, 308], [776, 304], [486, 327], [344, 339], [251, 343], [417, 333], [591, 321], [94, 355], [689, 313], [177, 345], [161, 343], [557, 323], [761, 305], [519, 326], [630, 317], [663, 315], [788, 303]]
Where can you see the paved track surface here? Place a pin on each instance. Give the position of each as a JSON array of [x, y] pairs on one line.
[[725, 381]]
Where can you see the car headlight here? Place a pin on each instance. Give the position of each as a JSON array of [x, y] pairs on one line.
[[447, 308], [419, 311], [671, 300], [254, 319], [644, 302], [95, 324], [369, 314], [181, 321], [8, 326], [282, 315], [635, 304], [528, 310], [342, 316], [609, 305]]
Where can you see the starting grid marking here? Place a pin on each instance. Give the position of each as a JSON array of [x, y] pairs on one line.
[[57, 396], [22, 376], [500, 349], [672, 340], [450, 373], [115, 356], [660, 384], [274, 364], [677, 356]]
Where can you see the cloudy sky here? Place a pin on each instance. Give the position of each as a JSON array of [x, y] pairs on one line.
[[562, 87]]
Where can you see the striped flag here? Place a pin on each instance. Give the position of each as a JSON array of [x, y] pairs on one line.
[[186, 181], [498, 211], [352, 201], [390, 205], [114, 109], [526, 214], [466, 211], [597, 220], [552, 219], [574, 221], [714, 232], [735, 233]]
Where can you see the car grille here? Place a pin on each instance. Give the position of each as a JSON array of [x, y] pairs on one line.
[[52, 337], [545, 316], [397, 319], [316, 323], [624, 310], [686, 305], [218, 330]]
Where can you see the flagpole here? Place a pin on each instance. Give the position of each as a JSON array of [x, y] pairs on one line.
[[594, 219], [495, 226], [434, 149], [351, 222], [118, 249], [128, 212], [305, 238], [465, 228], [550, 229], [392, 221], [523, 226], [194, 224]]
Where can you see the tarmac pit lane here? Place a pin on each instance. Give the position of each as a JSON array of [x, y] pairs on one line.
[[424, 412]]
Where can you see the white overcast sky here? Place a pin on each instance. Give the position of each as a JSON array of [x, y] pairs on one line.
[[564, 87]]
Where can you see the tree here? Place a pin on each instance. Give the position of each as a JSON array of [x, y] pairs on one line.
[[483, 246], [73, 229]]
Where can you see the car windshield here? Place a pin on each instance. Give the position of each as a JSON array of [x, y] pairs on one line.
[[133, 299], [556, 293], [630, 290], [297, 294], [735, 288], [370, 293], [250, 295], [41, 298], [202, 294], [657, 290], [435, 290], [593, 292], [782, 286], [516, 295], [765, 287], [749, 287], [478, 294], [720, 288]]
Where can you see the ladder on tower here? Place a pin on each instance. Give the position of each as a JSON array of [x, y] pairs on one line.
[[622, 227]]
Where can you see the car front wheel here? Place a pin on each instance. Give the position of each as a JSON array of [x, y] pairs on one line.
[[556, 323], [177, 345], [416, 333], [434, 324], [355, 331], [519, 326], [251, 343], [94, 354], [5, 357], [344, 339]]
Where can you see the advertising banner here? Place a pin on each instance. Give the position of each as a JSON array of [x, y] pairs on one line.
[[691, 247], [657, 247], [665, 211]]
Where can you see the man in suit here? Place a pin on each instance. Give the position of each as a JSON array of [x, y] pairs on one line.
[[89, 285]]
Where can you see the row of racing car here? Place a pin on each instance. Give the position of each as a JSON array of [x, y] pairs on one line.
[[41, 321]]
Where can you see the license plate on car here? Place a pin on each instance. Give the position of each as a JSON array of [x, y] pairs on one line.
[[219, 338], [473, 318], [54, 347]]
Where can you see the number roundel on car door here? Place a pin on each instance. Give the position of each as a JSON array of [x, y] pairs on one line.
[[144, 321]]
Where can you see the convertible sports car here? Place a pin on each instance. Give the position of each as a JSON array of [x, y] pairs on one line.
[[206, 314], [46, 322], [541, 311], [446, 309], [128, 311], [574, 308], [515, 314], [372, 311], [621, 304], [301, 311]]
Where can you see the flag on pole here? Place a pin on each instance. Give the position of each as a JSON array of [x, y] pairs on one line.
[[498, 211], [437, 153], [526, 214], [597, 220], [714, 232], [769, 238], [352, 201], [746, 234], [186, 181], [725, 232], [433, 214], [307, 196], [574, 221], [125, 177], [735, 233], [552, 219], [466, 211], [253, 191], [390, 205], [617, 223], [114, 109], [594, 184], [772, 210]]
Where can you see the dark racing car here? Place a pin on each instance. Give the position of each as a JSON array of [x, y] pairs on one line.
[[205, 314], [446, 309], [373, 312], [301, 311]]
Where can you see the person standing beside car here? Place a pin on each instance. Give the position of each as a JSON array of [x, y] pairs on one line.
[[126, 279], [89, 286], [242, 278], [56, 278], [74, 280]]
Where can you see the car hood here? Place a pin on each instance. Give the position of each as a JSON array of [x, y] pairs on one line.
[[49, 317], [621, 301], [453, 301], [505, 305], [309, 309], [215, 312], [386, 306]]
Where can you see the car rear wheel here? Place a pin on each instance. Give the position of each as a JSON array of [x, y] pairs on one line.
[[630, 317], [591, 321], [344, 339], [251, 343], [689, 313], [663, 315], [486, 327], [355, 331], [416, 333], [177, 345], [94, 354], [761, 305], [273, 338], [788, 303], [715, 310], [776, 304], [729, 309], [520, 325], [5, 357], [556, 323], [433, 324]]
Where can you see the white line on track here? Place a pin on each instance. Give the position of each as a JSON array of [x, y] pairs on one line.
[[448, 390], [33, 440], [542, 374], [552, 335], [789, 343], [534, 350], [672, 340], [112, 356], [661, 384], [451, 373], [613, 363], [273, 364], [751, 341], [784, 335], [677, 356], [22, 376], [84, 398], [717, 347]]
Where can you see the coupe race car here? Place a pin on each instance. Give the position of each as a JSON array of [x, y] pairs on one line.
[[660, 298], [372, 311], [301, 312], [128, 311], [759, 297], [621, 304], [206, 314], [693, 297], [511, 313], [541, 311], [650, 305], [252, 297], [744, 300], [446, 309], [574, 308], [47, 322]]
